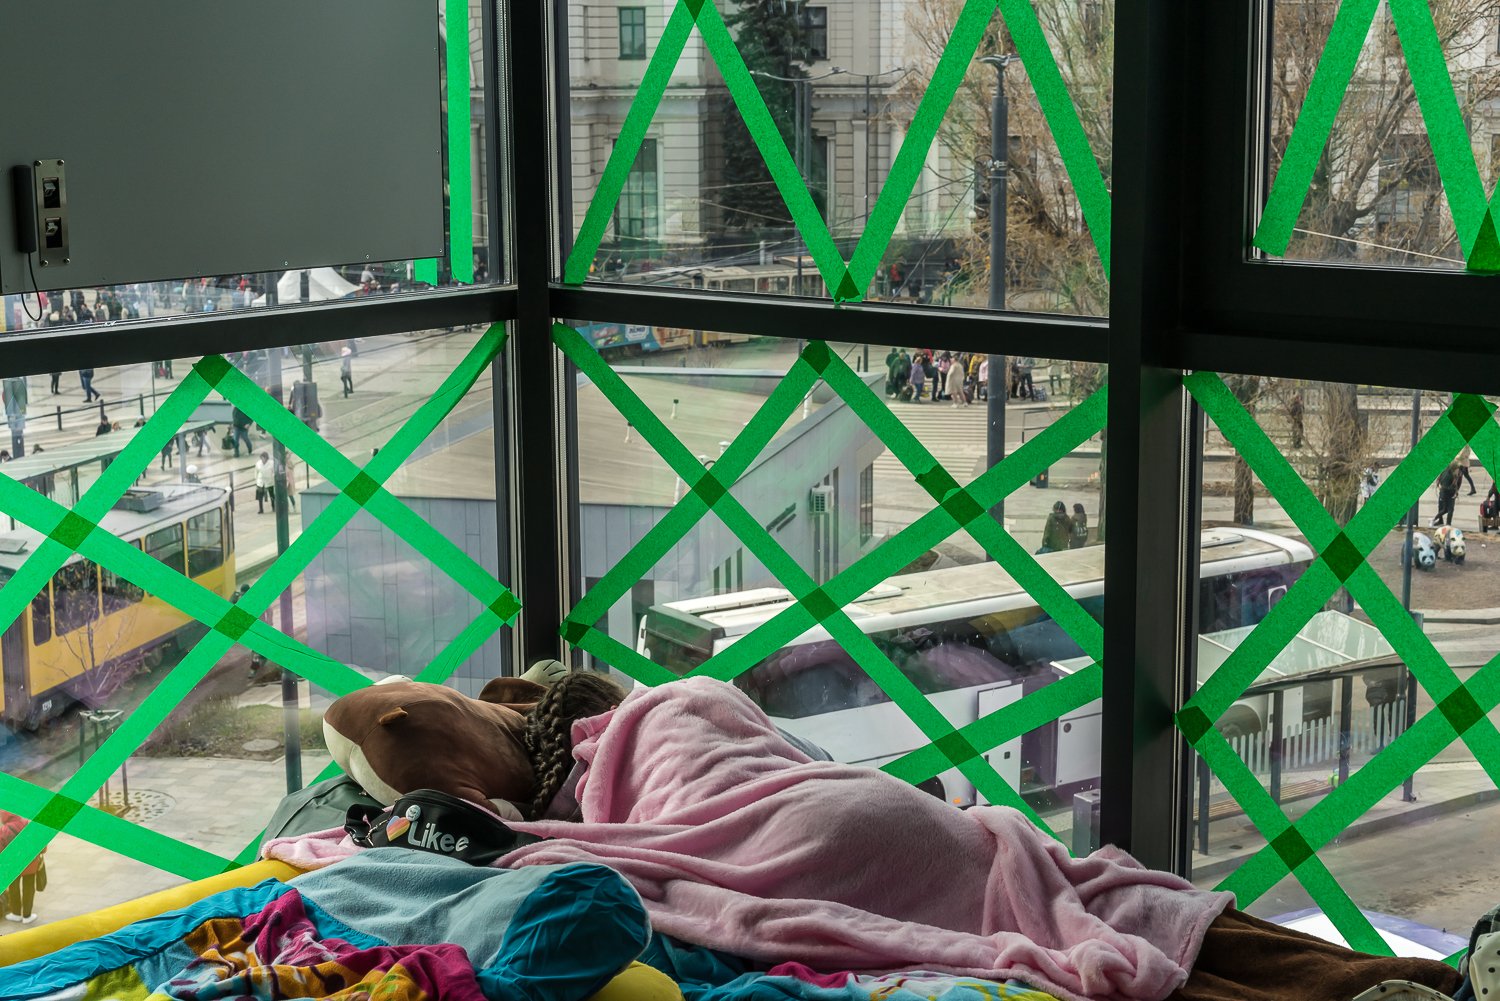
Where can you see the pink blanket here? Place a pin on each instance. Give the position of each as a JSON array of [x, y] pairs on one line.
[[739, 842]]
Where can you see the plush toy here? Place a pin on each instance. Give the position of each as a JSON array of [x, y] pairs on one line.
[[402, 735]]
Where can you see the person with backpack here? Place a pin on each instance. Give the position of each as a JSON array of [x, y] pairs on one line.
[[1447, 485], [1080, 536]]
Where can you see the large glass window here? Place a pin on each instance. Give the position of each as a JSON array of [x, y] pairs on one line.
[[75, 595], [826, 479], [1381, 158], [166, 545], [850, 172], [1340, 620]]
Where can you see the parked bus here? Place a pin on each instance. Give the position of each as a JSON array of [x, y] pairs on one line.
[[89, 628], [972, 640]]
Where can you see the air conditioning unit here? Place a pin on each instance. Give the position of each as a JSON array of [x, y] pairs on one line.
[[820, 501], [139, 500]]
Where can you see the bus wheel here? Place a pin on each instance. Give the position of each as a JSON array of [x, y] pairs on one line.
[[934, 787], [157, 655], [1239, 721]]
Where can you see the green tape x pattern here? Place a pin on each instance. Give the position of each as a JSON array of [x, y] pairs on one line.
[[848, 282], [366, 492], [1292, 847], [823, 604], [1449, 137], [224, 620]]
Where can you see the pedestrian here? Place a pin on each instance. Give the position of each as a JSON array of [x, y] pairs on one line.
[[56, 378], [104, 426], [1447, 485], [166, 453], [903, 373], [21, 895], [191, 474], [892, 363], [1294, 417], [1080, 536], [291, 481], [983, 384], [346, 370], [1464, 461], [86, 378], [918, 379], [1058, 530], [265, 483], [239, 431], [1489, 511], [956, 385], [940, 383]]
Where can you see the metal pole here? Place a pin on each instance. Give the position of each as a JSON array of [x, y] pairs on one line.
[[1278, 726], [1346, 713], [291, 722], [998, 386], [1411, 515]]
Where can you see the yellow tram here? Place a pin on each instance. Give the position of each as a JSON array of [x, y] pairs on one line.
[[90, 628]]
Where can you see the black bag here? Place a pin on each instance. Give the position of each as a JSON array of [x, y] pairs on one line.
[[432, 821]]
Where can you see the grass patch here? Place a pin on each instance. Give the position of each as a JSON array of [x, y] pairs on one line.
[[219, 729]]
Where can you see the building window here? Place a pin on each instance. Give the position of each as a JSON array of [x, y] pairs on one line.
[[815, 23], [632, 33], [636, 215], [867, 504]]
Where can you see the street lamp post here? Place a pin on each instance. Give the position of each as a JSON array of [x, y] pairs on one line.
[[998, 386]]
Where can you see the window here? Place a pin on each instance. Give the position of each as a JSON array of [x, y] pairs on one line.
[[41, 617], [636, 217], [115, 592], [205, 533], [867, 503], [76, 590], [632, 33], [815, 23], [166, 545]]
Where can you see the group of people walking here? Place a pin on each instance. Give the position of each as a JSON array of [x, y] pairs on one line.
[[955, 377], [958, 377]]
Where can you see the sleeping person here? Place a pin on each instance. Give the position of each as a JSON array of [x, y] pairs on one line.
[[739, 841]]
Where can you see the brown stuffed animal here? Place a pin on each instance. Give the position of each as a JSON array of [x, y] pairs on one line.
[[394, 737]]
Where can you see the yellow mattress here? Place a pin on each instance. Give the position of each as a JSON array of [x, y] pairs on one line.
[[637, 982]]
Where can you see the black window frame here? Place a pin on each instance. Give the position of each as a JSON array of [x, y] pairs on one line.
[[815, 28]]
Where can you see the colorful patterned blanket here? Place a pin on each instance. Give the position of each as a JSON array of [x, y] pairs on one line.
[[390, 924]]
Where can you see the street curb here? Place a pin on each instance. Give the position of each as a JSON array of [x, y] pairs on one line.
[[1375, 825], [1464, 616]]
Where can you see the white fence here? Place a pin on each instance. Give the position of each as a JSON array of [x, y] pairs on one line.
[[1314, 743]]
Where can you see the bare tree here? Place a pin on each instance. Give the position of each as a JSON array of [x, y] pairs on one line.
[[102, 650], [1375, 192]]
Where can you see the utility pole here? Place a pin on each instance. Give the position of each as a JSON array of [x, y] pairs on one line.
[[291, 722], [998, 386]]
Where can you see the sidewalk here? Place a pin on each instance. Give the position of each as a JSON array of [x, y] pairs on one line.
[[214, 803]]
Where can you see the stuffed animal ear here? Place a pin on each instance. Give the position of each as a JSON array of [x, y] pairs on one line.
[[395, 715]]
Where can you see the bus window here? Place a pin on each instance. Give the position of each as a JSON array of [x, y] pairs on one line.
[[41, 617], [205, 535], [115, 592], [75, 589], [815, 678], [166, 545]]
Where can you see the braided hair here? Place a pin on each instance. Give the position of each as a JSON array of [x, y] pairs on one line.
[[549, 729]]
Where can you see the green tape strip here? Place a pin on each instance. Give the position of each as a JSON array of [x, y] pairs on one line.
[[460, 183], [91, 776], [847, 283], [1314, 125], [425, 271]]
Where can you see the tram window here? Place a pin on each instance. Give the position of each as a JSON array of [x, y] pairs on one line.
[[116, 593], [166, 545], [205, 533], [75, 589], [41, 617]]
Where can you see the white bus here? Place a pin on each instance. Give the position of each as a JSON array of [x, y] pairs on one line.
[[972, 641]]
